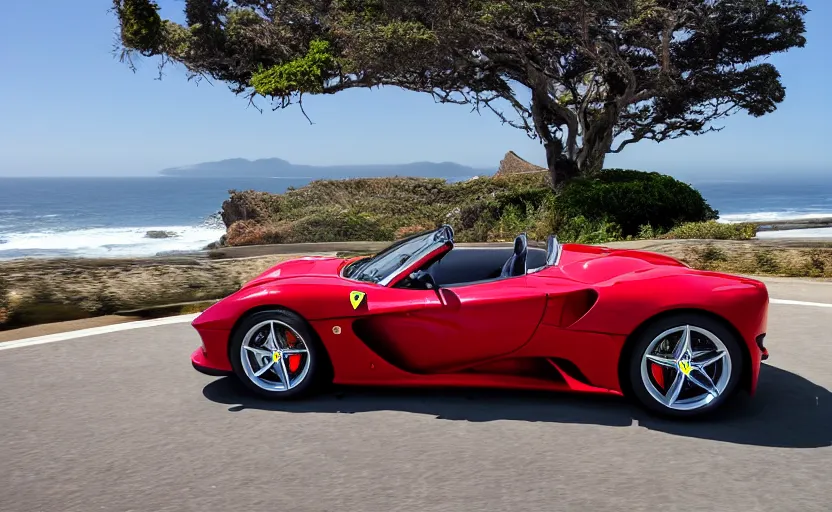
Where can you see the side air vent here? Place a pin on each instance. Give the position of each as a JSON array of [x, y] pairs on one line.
[[564, 310], [570, 369]]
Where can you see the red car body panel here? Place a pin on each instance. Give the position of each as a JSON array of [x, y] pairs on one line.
[[562, 327]]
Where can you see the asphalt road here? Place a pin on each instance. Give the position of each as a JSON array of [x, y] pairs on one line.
[[120, 422]]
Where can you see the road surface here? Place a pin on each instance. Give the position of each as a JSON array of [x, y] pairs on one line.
[[120, 422]]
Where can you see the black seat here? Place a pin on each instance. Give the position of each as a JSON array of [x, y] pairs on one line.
[[516, 264]]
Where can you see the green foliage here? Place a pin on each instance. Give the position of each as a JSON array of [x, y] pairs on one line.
[[646, 231], [654, 70], [819, 263], [712, 230], [370, 209], [632, 199], [584, 231], [141, 25], [767, 262], [303, 75], [617, 206], [407, 33], [711, 253]]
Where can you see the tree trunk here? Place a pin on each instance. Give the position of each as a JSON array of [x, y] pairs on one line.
[[561, 168], [594, 159], [598, 140]]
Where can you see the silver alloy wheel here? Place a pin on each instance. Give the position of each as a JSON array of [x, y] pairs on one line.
[[694, 364], [264, 353]]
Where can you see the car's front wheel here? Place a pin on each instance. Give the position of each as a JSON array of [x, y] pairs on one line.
[[685, 365], [276, 354]]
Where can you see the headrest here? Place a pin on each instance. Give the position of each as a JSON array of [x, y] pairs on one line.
[[520, 243]]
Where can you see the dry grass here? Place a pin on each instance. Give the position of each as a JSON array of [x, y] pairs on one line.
[[34, 292], [375, 209], [39, 291], [751, 257]]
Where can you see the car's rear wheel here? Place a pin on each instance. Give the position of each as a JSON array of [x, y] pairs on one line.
[[686, 364], [277, 355]]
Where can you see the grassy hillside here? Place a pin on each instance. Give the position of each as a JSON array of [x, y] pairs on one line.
[[620, 205], [388, 208]]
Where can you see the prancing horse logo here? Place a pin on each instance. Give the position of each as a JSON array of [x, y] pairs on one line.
[[356, 298], [684, 367]]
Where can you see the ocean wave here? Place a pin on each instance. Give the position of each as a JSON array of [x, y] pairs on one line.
[[773, 216], [108, 242]]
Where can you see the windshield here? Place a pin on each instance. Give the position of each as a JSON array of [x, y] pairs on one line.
[[389, 262]]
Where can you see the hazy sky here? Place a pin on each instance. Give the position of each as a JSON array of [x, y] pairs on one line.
[[68, 107]]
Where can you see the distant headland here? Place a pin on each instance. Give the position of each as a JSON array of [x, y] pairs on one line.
[[279, 168]]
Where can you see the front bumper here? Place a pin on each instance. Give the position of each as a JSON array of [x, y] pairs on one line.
[[201, 364], [212, 356]]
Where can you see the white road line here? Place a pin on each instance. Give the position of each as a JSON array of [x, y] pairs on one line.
[[62, 336], [50, 338], [800, 303]]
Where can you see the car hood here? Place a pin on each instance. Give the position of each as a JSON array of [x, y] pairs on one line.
[[593, 264], [309, 266]]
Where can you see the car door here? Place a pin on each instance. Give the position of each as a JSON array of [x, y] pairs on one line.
[[476, 322]]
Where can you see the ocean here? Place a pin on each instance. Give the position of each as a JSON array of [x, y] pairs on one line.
[[109, 217]]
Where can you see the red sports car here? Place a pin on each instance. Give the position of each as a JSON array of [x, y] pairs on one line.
[[425, 313]]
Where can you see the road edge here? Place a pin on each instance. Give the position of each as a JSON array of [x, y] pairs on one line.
[[93, 331]]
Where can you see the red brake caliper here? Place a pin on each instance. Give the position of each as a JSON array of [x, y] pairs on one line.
[[294, 359], [658, 374]]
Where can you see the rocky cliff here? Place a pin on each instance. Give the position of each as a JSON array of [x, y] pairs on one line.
[[513, 164]]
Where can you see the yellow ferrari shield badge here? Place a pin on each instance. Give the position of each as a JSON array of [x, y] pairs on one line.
[[684, 367], [276, 356], [356, 298]]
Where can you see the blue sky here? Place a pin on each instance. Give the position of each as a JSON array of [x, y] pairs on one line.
[[68, 107]]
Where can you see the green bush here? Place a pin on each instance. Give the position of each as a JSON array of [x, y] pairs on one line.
[[712, 230], [618, 204], [379, 208], [584, 231], [632, 199], [333, 226]]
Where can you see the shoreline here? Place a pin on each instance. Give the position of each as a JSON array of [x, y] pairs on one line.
[[770, 230], [794, 224], [781, 228]]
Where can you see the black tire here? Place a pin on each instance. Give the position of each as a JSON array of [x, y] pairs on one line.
[[317, 374], [732, 344]]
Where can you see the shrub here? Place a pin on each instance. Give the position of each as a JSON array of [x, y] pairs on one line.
[[817, 264], [618, 204], [712, 230], [406, 231], [646, 231], [384, 208], [584, 231], [766, 262], [4, 301], [334, 226], [632, 199]]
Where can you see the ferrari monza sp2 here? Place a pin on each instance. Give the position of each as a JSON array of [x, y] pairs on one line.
[[563, 317]]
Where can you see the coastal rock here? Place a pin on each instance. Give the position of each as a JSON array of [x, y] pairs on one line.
[[246, 205], [160, 234], [513, 164], [216, 245]]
